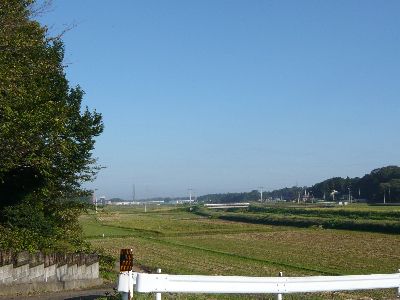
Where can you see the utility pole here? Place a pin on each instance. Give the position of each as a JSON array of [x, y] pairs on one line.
[[384, 196], [133, 193], [190, 194], [349, 194], [95, 199], [333, 194], [261, 191]]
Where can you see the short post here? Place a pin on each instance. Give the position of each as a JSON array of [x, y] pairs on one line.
[[398, 289], [279, 296], [125, 285], [158, 295], [125, 280]]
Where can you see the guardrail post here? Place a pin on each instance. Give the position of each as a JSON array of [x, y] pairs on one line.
[[279, 296], [158, 295], [398, 289], [125, 285]]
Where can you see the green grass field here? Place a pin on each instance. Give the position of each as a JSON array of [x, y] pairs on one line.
[[352, 217], [180, 242]]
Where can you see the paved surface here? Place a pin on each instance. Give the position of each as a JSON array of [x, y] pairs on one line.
[[89, 294]]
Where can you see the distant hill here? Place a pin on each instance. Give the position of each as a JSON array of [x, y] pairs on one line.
[[373, 187]]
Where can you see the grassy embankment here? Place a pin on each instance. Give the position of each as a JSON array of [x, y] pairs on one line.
[[354, 217], [181, 242]]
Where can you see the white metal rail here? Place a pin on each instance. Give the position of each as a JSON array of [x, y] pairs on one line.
[[162, 283]]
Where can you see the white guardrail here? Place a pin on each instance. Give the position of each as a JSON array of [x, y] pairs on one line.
[[165, 283]]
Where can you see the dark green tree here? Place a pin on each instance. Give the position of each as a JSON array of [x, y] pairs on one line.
[[379, 182], [46, 137]]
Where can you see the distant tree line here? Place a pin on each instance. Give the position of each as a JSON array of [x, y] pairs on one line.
[[230, 197], [380, 184]]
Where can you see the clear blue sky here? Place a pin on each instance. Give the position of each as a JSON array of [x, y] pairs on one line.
[[230, 95]]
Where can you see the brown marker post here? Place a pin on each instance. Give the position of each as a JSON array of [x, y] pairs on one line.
[[125, 282], [126, 260]]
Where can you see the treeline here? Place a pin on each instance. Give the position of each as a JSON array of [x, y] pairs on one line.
[[380, 185], [230, 197]]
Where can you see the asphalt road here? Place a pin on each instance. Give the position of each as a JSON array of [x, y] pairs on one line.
[[89, 294]]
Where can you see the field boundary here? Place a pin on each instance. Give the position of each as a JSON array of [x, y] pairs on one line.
[[386, 226]]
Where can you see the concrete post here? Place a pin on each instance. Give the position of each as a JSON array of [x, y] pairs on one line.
[[279, 296], [158, 295], [398, 289], [125, 286]]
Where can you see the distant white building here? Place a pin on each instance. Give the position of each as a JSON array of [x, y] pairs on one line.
[[182, 201], [227, 205]]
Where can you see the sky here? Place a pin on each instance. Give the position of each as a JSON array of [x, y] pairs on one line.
[[226, 96]]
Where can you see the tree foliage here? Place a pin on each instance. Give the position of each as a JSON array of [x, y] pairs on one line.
[[46, 137]]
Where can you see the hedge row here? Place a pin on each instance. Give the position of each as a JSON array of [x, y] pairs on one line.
[[329, 213], [302, 221], [298, 221]]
